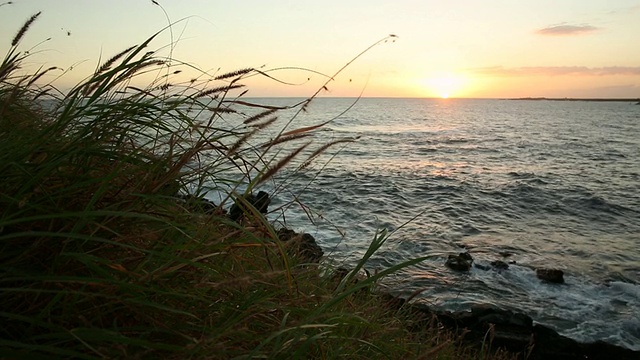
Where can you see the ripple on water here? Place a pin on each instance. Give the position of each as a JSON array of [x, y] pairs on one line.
[[553, 184]]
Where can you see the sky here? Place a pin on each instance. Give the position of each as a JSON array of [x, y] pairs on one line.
[[455, 48]]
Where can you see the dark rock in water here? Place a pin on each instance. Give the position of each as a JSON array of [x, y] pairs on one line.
[[262, 202], [460, 262], [301, 245], [500, 265], [466, 256], [496, 265], [505, 253], [241, 207], [551, 275]]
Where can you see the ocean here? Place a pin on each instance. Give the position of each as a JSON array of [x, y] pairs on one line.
[[552, 184]]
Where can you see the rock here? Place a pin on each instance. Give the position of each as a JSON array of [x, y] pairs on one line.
[[460, 262], [486, 325], [551, 275], [500, 265], [201, 204], [340, 274], [489, 314], [482, 267], [302, 245], [505, 253], [260, 202]]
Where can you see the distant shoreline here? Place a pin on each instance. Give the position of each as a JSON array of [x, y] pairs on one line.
[[637, 100]]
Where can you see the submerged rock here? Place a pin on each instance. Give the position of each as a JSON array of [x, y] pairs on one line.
[[460, 262], [551, 275], [498, 265]]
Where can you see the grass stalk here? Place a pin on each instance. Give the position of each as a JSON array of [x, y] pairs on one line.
[[106, 251]]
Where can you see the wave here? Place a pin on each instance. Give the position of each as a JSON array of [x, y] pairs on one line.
[[548, 189]]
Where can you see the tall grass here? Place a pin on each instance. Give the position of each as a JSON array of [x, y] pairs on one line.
[[100, 256]]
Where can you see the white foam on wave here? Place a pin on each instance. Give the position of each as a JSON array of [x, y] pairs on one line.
[[626, 288]]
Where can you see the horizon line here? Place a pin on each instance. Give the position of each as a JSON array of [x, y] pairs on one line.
[[527, 98]]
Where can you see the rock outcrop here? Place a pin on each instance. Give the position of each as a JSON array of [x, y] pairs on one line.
[[302, 245], [241, 207], [494, 328], [200, 204]]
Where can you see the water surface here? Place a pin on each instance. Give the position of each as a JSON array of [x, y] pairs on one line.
[[551, 184]]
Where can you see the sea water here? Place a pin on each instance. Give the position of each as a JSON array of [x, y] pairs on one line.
[[551, 184]]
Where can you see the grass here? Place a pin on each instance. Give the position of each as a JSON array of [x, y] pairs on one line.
[[102, 255]]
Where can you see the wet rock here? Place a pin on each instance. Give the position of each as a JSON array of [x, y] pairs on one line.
[[460, 262], [505, 253], [302, 245], [486, 314], [500, 265], [551, 275], [482, 267], [241, 207], [486, 325]]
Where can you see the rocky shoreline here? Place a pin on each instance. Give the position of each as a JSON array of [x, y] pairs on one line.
[[513, 331], [493, 328], [483, 326], [496, 328]]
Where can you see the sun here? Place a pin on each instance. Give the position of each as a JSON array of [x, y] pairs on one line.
[[444, 85]]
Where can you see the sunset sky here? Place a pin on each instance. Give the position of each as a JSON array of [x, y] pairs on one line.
[[457, 48]]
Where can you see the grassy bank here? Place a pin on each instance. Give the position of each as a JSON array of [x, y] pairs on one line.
[[102, 254]]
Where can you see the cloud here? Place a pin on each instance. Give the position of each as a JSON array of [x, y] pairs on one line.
[[557, 71], [626, 10], [562, 30]]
